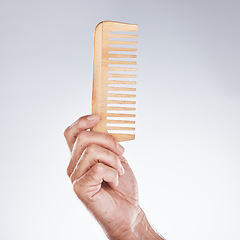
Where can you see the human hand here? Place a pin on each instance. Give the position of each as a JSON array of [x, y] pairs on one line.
[[104, 182]]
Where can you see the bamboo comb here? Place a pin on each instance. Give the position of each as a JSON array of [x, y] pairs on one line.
[[113, 94]]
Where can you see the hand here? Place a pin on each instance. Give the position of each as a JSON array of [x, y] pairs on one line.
[[104, 182]]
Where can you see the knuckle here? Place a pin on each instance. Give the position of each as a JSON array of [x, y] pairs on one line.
[[91, 149], [69, 171], [107, 153], [113, 157], [116, 158], [79, 121], [110, 138], [66, 132], [79, 187], [76, 186], [97, 168], [82, 137]]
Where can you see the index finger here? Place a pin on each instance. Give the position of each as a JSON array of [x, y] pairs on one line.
[[82, 124]]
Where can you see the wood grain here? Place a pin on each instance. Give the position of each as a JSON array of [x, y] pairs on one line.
[[102, 78]]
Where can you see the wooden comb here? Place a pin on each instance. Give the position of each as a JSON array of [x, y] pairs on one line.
[[113, 94]]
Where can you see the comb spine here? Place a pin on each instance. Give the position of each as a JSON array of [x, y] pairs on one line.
[[99, 92]]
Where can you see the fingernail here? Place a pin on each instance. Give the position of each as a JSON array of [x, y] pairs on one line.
[[91, 117], [122, 171], [123, 159], [120, 148], [116, 183]]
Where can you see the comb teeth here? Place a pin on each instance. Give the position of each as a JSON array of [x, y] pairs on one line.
[[113, 86], [119, 49], [121, 82], [110, 62], [121, 36]]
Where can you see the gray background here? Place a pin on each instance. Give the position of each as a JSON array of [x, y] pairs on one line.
[[186, 154]]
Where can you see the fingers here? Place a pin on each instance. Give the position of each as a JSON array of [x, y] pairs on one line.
[[90, 183], [96, 154], [86, 138], [81, 124], [95, 157]]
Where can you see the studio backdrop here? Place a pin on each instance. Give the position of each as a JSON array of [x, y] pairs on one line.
[[186, 155]]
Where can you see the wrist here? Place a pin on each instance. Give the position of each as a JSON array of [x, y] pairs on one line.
[[140, 230]]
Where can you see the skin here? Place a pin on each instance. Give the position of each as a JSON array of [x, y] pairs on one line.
[[103, 180]]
